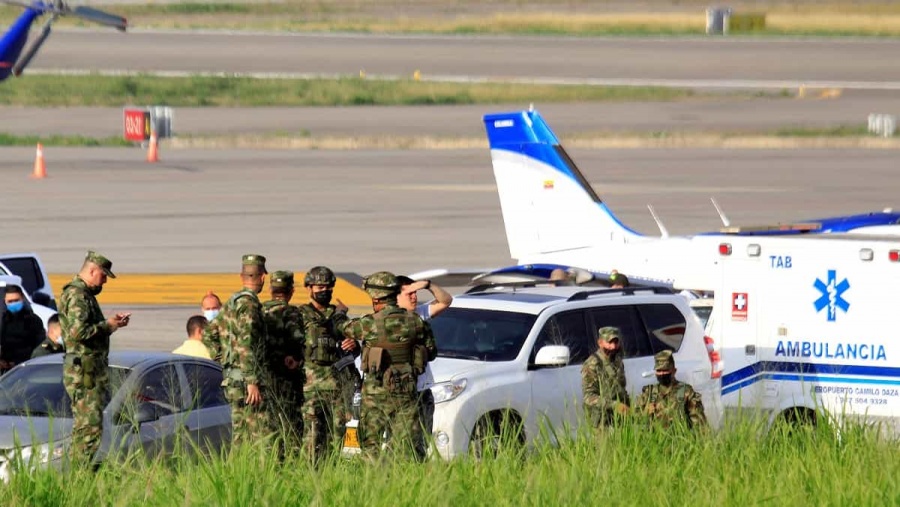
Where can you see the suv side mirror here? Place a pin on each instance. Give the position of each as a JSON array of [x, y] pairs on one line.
[[552, 355]]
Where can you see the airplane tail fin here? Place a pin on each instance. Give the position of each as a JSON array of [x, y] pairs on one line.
[[548, 205]]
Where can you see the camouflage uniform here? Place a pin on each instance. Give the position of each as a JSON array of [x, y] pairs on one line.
[[85, 366], [603, 383], [326, 408], [284, 325], [236, 339], [47, 347], [673, 405], [397, 345]]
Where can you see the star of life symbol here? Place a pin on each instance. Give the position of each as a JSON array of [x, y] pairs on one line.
[[832, 295]]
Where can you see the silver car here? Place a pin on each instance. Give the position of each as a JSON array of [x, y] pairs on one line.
[[157, 401]]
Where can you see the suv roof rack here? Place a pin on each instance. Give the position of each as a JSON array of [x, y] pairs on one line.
[[627, 291], [519, 285]]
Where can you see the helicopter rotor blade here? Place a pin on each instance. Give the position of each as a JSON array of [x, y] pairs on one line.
[[99, 17]]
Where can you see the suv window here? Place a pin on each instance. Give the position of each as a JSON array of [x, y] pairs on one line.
[[635, 342], [27, 269], [483, 335], [205, 384], [665, 324], [567, 328]]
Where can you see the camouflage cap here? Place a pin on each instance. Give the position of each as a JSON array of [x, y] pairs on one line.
[[282, 280], [101, 261], [381, 285], [664, 360], [254, 260], [609, 333]]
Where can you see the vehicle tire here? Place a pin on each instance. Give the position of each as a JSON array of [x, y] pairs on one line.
[[497, 433]]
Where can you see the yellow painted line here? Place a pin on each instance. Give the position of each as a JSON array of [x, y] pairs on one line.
[[188, 289]]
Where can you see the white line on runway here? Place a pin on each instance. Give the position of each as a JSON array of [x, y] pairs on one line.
[[751, 84]]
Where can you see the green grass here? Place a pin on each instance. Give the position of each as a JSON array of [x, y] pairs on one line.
[[58, 140], [632, 466], [200, 91]]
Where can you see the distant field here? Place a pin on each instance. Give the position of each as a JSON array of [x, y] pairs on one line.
[[574, 17], [93, 90]]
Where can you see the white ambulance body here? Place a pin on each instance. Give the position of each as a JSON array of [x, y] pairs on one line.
[[809, 323]]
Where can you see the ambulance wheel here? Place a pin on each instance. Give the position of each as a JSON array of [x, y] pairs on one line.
[[794, 420]]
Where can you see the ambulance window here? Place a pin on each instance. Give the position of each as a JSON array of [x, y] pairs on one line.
[[665, 326], [567, 328], [634, 337]]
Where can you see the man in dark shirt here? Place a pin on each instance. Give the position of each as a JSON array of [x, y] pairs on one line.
[[21, 330]]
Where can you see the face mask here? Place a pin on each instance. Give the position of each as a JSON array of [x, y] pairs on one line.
[[15, 307], [323, 298], [210, 314], [95, 290], [665, 380]]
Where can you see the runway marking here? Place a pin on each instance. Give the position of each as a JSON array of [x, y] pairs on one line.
[[750, 84], [187, 289]]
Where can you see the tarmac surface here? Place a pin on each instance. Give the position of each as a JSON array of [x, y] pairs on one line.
[[365, 210], [362, 211], [725, 114], [704, 61]]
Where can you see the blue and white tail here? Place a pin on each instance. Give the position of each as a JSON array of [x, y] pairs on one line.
[[548, 206]]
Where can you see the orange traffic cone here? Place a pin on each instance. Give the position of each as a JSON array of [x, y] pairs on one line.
[[40, 169], [153, 150]]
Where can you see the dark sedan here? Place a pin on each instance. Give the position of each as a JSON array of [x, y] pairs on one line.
[[158, 402]]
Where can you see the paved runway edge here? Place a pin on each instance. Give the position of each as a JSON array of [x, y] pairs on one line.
[[188, 288]]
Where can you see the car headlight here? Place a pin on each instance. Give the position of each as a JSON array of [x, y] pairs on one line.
[[40, 454], [446, 391]]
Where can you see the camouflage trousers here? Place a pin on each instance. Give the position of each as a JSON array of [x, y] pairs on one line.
[[398, 417], [249, 424], [87, 421], [286, 411], [324, 417]]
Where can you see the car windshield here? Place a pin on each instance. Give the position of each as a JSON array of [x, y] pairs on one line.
[[482, 335], [37, 390]]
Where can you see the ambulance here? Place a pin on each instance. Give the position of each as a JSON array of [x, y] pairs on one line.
[[809, 326]]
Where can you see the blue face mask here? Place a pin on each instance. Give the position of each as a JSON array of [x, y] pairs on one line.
[[15, 307], [210, 314]]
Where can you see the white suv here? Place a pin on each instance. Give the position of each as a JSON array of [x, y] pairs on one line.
[[514, 353]]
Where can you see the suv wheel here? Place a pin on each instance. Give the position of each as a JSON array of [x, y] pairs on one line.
[[495, 433]]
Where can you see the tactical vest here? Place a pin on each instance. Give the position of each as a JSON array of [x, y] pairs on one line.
[[388, 362], [322, 339]]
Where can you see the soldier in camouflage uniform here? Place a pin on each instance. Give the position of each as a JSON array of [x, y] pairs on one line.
[[397, 345], [236, 339], [328, 391], [603, 380], [86, 335], [284, 355], [671, 403]]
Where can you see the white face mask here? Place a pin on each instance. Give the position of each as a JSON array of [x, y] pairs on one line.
[[210, 314]]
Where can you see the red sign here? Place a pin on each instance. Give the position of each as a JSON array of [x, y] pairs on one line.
[[739, 305], [137, 124]]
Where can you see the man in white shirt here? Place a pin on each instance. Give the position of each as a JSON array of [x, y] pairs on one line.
[[408, 299], [193, 346]]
